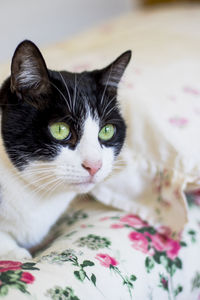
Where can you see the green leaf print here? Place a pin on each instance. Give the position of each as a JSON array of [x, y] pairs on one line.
[[58, 293], [80, 275], [14, 275], [87, 263], [69, 255], [3, 290], [183, 244], [196, 281], [178, 290], [29, 266], [21, 286], [93, 279], [192, 234], [60, 258], [149, 264], [171, 269], [75, 217], [93, 242], [178, 263], [164, 260], [133, 278], [151, 230]]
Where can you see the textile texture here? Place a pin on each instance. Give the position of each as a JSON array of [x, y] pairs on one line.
[[101, 253]]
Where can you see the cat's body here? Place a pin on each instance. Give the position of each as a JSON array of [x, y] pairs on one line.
[[60, 135], [23, 215]]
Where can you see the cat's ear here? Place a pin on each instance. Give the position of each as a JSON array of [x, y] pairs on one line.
[[29, 74], [112, 74]]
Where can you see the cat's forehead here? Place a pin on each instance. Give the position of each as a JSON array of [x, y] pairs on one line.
[[83, 83], [79, 94]]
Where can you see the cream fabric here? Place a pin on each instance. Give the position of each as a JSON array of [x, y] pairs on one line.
[[161, 157], [101, 253]]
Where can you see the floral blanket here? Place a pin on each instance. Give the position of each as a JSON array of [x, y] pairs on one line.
[[101, 253]]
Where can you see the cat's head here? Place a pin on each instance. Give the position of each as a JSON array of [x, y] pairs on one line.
[[61, 128]]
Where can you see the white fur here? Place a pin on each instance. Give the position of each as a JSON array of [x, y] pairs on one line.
[[32, 200]]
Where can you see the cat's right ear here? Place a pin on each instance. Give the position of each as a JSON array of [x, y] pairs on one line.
[[112, 74], [29, 74]]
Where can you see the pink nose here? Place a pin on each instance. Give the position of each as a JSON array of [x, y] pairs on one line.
[[92, 166]]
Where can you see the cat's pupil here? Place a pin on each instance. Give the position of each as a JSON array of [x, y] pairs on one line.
[[107, 129]]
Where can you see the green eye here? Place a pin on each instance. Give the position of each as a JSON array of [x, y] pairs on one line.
[[59, 130], [107, 132]]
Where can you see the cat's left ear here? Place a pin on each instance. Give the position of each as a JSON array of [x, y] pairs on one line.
[[29, 74], [112, 74]]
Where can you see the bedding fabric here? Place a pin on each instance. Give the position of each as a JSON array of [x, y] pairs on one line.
[[101, 253], [159, 97]]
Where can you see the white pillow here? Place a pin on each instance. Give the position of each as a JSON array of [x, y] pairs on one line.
[[161, 159]]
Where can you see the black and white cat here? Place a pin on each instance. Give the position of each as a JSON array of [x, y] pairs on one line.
[[60, 135]]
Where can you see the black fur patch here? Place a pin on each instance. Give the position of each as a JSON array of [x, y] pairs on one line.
[[27, 110]]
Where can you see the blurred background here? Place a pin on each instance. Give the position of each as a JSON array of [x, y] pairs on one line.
[[46, 22]]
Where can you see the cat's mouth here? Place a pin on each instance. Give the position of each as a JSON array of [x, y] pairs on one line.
[[83, 186], [83, 183]]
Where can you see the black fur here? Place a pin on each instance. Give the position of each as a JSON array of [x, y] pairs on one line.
[[27, 111]]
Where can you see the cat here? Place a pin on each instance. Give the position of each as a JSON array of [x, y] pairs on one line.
[[61, 133]]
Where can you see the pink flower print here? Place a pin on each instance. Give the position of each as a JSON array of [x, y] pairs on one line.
[[163, 243], [140, 242], [106, 260], [133, 220], [6, 265], [173, 250], [197, 200], [27, 277], [164, 230], [117, 225], [83, 226], [164, 283], [104, 219], [178, 121], [191, 90], [196, 195]]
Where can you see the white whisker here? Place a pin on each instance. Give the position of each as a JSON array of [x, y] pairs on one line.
[[61, 94], [107, 105], [108, 79], [75, 92], [70, 99], [53, 188]]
